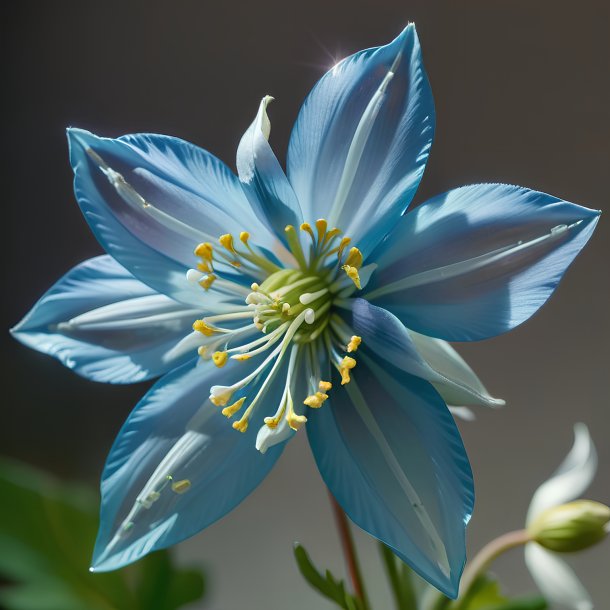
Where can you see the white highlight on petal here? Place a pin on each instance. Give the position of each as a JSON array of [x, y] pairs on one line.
[[495, 257], [555, 579], [261, 124], [463, 413], [572, 477], [359, 140]]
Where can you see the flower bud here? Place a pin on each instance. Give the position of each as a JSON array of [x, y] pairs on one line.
[[571, 527]]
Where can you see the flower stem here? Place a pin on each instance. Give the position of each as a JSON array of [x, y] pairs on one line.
[[484, 558], [349, 552]]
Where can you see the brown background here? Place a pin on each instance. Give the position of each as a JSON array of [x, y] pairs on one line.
[[522, 96]]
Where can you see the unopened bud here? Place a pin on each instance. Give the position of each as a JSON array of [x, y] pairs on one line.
[[571, 527]]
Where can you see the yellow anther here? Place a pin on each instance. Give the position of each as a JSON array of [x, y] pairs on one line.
[[354, 258], [272, 422], [207, 281], [241, 357], [220, 358], [181, 487], [346, 365], [307, 228], [235, 263], [205, 251], [203, 328], [244, 236], [342, 245], [321, 226], [296, 421], [226, 241], [354, 343], [241, 425], [352, 274], [315, 400], [332, 234], [231, 410], [325, 386], [204, 267]]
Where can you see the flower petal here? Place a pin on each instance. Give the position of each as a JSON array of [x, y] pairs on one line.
[[176, 466], [477, 261], [389, 451], [263, 178], [572, 477], [431, 359], [361, 140], [107, 326], [151, 199], [555, 579]]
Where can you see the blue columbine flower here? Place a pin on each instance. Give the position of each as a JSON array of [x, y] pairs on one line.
[[277, 299]]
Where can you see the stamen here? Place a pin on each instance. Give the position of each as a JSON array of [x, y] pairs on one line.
[[342, 245], [244, 236], [315, 400], [354, 343], [309, 297], [354, 258], [207, 281], [321, 226], [231, 410], [219, 359], [346, 365], [181, 487], [205, 329], [226, 241], [204, 251], [295, 421], [295, 246], [241, 425], [325, 386], [307, 228], [352, 274]]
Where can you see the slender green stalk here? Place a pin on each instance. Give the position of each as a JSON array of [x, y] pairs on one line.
[[400, 579], [349, 552]]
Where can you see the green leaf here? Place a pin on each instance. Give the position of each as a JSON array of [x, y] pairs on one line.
[[485, 594], [399, 575], [330, 587], [47, 531]]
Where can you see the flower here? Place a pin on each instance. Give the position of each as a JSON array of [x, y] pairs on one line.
[[282, 299], [582, 524]]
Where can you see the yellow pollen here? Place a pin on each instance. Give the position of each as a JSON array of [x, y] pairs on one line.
[[207, 281], [204, 267], [231, 410], [354, 258], [343, 244], [241, 425], [236, 263], [204, 251], [332, 234], [354, 343], [272, 422], [241, 357], [352, 274], [321, 226], [315, 400], [307, 228], [203, 328], [293, 420], [244, 236], [220, 358], [226, 241], [346, 365], [325, 386], [181, 487]]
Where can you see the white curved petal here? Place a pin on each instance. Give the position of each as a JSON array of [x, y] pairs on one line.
[[462, 387], [555, 579], [572, 477]]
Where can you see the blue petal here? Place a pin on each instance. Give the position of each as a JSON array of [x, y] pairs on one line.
[[263, 178], [360, 144], [390, 453], [431, 359], [130, 340], [477, 261], [193, 195], [175, 434]]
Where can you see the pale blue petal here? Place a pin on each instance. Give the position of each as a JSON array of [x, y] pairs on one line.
[[263, 178], [390, 452], [477, 261], [431, 359], [360, 144], [196, 198], [129, 342], [176, 432]]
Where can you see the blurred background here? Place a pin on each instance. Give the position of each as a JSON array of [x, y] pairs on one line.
[[522, 96]]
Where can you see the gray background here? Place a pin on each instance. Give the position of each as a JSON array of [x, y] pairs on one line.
[[522, 96]]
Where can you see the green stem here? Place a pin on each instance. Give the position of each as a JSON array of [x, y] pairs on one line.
[[349, 552], [487, 555], [400, 579]]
